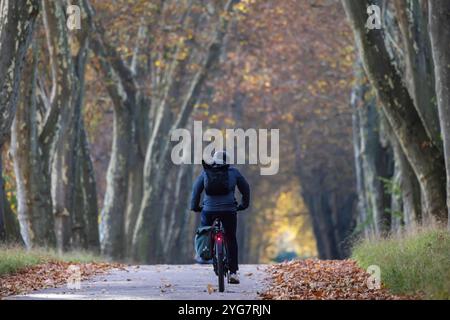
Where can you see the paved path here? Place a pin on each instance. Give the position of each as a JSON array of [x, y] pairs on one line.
[[186, 282]]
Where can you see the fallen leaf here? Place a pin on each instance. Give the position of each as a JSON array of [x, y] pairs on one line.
[[210, 288]]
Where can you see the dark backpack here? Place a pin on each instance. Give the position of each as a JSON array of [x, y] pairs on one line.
[[216, 180]]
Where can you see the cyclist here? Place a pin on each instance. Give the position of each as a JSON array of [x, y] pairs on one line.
[[219, 181]]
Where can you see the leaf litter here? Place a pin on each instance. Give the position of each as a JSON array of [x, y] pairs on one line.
[[314, 279], [49, 275]]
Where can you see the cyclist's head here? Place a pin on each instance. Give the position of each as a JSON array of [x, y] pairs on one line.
[[221, 157]]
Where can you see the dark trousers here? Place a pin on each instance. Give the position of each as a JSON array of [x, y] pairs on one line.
[[229, 224]]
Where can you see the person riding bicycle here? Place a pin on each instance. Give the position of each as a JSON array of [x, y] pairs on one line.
[[219, 201]]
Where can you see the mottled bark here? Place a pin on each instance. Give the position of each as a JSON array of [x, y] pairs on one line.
[[9, 225], [398, 106], [63, 160], [411, 195], [406, 197], [440, 35], [84, 206], [84, 199], [50, 172], [120, 84], [17, 19], [34, 207], [137, 151], [375, 160], [89, 190], [112, 228], [386, 173], [78, 230], [419, 75], [135, 192], [396, 206], [359, 106]]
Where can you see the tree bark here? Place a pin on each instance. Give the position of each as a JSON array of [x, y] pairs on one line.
[[439, 11], [121, 86], [360, 107], [84, 198], [419, 76], [9, 225], [374, 158], [34, 208], [112, 229], [89, 189], [409, 187], [17, 20], [49, 167], [424, 156], [63, 161]]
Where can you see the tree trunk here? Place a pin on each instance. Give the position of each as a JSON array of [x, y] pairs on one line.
[[89, 189], [17, 19], [121, 86], [411, 196], [409, 187], [63, 160], [112, 228], [141, 123], [424, 156], [34, 208], [440, 35], [84, 199], [135, 192], [9, 225], [360, 109], [375, 164], [419, 64]]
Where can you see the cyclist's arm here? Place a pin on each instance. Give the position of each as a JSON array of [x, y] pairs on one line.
[[244, 189], [197, 190]]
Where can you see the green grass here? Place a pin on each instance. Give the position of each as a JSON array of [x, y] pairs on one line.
[[418, 263], [13, 259]]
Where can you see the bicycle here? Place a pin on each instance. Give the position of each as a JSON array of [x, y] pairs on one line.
[[220, 256]]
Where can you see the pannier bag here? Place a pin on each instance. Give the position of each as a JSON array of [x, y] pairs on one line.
[[203, 242]]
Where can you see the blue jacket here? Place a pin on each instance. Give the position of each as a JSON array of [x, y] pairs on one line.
[[223, 202]]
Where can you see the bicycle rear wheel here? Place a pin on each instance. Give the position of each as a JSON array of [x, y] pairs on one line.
[[220, 266]]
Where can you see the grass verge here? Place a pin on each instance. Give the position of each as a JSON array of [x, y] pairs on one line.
[[412, 264], [13, 259]]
